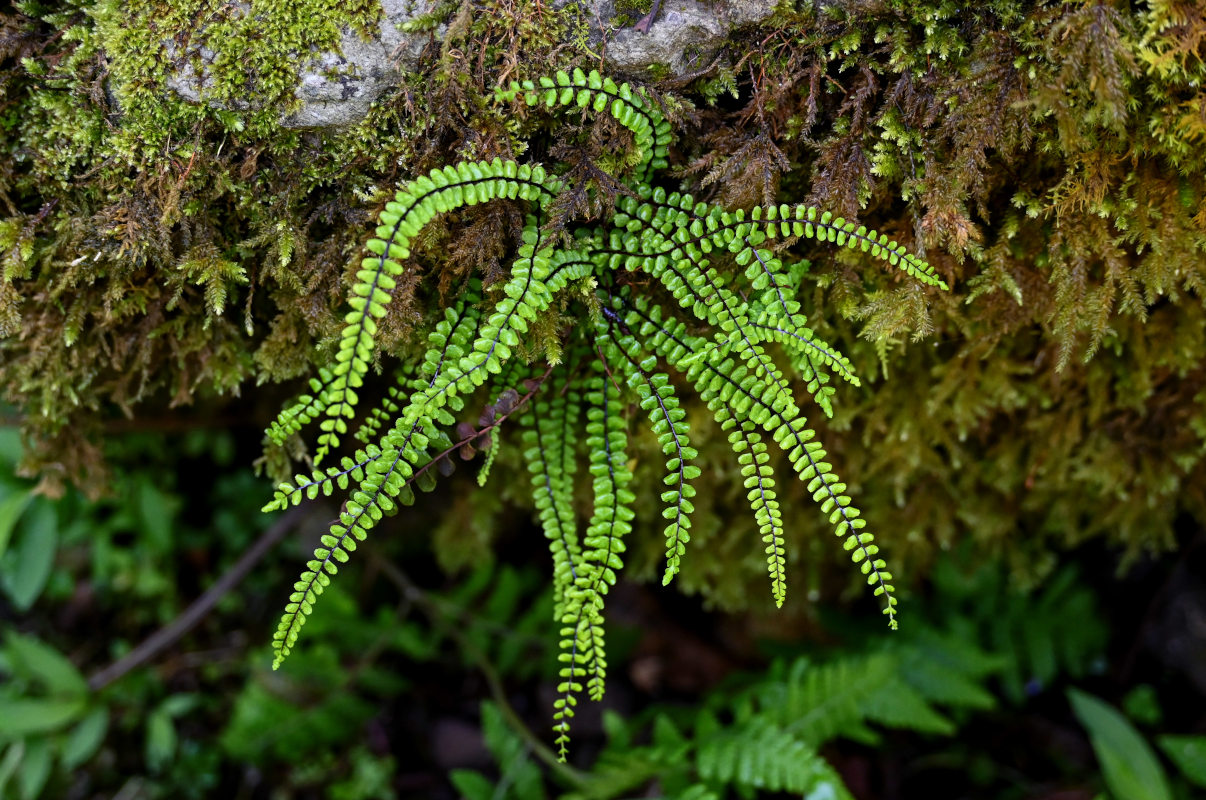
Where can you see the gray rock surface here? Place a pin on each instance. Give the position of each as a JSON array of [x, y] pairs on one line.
[[684, 36], [337, 89]]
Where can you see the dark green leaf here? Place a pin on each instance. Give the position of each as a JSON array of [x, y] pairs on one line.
[[34, 557], [1189, 754], [1128, 764], [85, 739], [24, 717]]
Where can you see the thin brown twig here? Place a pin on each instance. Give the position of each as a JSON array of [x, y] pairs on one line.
[[166, 636]]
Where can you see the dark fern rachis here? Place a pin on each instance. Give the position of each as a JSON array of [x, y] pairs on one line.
[[620, 352]]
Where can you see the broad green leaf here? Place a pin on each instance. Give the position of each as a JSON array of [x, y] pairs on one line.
[[11, 508], [1128, 765], [472, 785], [42, 664], [1189, 754], [34, 557], [85, 739], [10, 447], [10, 763], [161, 740], [35, 769], [24, 717]]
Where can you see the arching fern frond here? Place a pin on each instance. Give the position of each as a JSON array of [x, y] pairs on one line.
[[416, 204], [565, 348]]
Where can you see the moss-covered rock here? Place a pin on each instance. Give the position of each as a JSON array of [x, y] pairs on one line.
[[1050, 159]]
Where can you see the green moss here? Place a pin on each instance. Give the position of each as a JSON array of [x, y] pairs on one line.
[[634, 8], [242, 57], [1049, 158]]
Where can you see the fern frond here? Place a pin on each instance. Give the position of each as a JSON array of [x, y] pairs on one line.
[[632, 108], [483, 475], [760, 755], [810, 222], [416, 204], [304, 410], [584, 641], [658, 400], [698, 223], [722, 382], [552, 492], [322, 480], [403, 459], [759, 481], [611, 519], [582, 635], [384, 477]]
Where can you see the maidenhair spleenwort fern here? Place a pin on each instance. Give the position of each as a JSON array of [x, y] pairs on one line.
[[623, 353]]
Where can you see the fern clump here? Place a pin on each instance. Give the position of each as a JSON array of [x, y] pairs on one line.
[[621, 355]]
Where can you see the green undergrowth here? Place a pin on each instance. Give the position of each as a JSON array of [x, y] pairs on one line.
[[401, 662]]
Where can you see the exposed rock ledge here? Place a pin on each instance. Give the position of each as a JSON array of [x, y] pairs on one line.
[[337, 89]]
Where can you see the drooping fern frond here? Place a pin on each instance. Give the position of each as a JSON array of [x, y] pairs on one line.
[[656, 396], [567, 346], [552, 488], [730, 389]]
